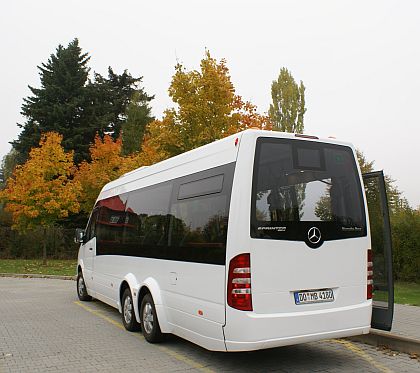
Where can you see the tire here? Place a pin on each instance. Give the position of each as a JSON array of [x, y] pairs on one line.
[[81, 288], [128, 316], [149, 321]]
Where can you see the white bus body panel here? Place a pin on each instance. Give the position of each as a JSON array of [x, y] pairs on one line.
[[192, 295], [280, 267], [86, 256], [190, 298]]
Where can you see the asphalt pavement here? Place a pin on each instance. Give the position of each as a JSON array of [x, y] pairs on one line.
[[406, 321], [44, 328], [404, 335]]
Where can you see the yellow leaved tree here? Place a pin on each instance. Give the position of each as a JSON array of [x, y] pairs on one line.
[[43, 190], [207, 109]]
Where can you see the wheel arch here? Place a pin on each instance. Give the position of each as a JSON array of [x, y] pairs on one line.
[[151, 286], [129, 281], [80, 266]]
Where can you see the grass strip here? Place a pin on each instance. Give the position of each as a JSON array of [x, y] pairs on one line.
[[33, 266]]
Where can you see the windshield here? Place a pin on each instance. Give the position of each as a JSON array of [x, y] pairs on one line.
[[300, 184]]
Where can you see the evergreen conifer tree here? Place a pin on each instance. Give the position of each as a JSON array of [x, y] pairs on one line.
[[74, 106], [111, 97], [138, 117], [59, 104]]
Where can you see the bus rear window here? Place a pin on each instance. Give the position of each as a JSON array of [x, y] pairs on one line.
[[299, 184]]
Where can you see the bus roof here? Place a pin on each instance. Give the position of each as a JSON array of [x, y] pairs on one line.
[[211, 155]]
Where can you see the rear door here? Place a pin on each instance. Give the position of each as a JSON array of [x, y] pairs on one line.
[[308, 227], [383, 285]]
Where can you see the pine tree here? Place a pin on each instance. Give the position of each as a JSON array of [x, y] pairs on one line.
[[59, 104], [138, 116], [288, 107], [74, 106], [111, 97]]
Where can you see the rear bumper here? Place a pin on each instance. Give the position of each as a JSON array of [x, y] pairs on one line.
[[245, 331]]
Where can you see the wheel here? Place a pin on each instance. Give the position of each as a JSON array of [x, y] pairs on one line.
[[128, 315], [149, 321], [81, 288]]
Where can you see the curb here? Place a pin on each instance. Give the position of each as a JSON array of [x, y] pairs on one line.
[[392, 341], [34, 275]]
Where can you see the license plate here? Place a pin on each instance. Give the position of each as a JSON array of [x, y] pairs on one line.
[[313, 296]]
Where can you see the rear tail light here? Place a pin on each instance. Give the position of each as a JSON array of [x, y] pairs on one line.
[[239, 283], [369, 290]]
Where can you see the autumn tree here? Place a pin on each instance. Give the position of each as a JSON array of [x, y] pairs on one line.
[[106, 165], [288, 107], [207, 109], [42, 190]]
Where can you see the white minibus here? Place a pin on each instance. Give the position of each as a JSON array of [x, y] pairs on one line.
[[258, 240]]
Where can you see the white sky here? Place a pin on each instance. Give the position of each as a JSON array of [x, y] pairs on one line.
[[359, 60]]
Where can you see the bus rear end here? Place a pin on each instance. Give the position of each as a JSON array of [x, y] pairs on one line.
[[297, 266]]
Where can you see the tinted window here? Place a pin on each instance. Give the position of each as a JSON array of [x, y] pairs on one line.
[[199, 216], [299, 184], [208, 185], [184, 219], [198, 229], [111, 222], [309, 158], [148, 209], [91, 228]]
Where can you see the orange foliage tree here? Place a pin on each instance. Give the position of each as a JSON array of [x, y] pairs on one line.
[[43, 190], [207, 109], [106, 164]]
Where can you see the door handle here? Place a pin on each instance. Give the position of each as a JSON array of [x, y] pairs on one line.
[[90, 248]]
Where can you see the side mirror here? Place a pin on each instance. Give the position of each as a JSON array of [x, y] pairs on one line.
[[79, 237]]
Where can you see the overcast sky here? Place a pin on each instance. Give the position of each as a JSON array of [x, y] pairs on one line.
[[359, 60]]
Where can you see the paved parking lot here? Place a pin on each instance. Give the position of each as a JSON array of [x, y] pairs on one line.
[[43, 328]]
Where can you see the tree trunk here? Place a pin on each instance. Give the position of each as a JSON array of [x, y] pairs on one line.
[[44, 248]]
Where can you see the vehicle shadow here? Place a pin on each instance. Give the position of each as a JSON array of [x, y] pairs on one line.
[[313, 356]]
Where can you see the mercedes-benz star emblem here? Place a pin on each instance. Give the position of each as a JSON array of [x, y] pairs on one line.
[[314, 235]]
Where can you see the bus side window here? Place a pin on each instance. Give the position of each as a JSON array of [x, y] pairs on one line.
[[110, 223], [198, 217], [148, 211], [91, 228], [199, 221]]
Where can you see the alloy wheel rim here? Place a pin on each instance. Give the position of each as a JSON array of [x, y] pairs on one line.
[[128, 310], [148, 318], [81, 286]]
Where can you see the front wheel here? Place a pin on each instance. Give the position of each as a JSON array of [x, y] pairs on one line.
[[81, 288], [149, 321]]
